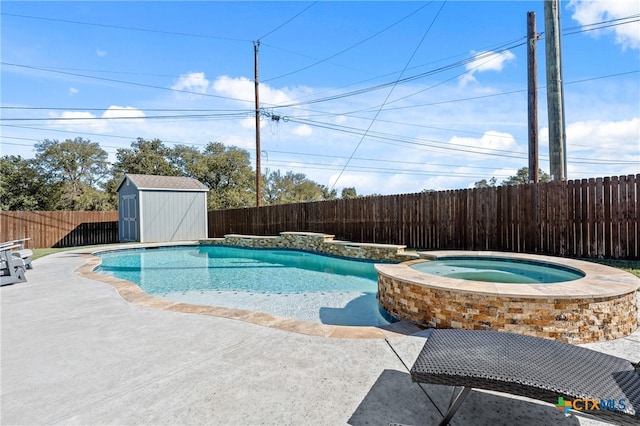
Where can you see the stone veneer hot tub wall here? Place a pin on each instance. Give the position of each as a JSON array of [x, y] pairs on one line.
[[317, 243], [600, 306]]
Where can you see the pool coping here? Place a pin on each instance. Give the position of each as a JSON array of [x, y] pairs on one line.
[[616, 282], [132, 293]]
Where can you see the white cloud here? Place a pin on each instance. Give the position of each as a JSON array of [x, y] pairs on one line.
[[243, 89], [592, 12], [365, 184], [73, 91], [340, 119], [84, 121], [616, 137], [489, 140], [195, 82], [485, 61], [302, 130], [127, 112], [71, 115], [77, 121], [127, 119], [250, 123], [591, 144], [240, 88], [101, 52]]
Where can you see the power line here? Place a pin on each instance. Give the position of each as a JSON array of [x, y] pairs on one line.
[[145, 117], [122, 81], [600, 25], [119, 27], [350, 47], [504, 47], [386, 170], [473, 98], [439, 145], [123, 109], [391, 83], [288, 21], [388, 95]]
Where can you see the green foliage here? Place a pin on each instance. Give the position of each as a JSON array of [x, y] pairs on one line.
[[77, 161], [74, 168], [75, 175], [145, 158], [22, 187], [225, 170], [293, 188], [484, 184], [349, 193], [521, 177]]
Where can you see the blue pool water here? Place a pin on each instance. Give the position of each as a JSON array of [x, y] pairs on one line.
[[499, 270], [287, 283]]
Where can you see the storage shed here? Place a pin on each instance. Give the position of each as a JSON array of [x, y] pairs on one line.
[[161, 208]]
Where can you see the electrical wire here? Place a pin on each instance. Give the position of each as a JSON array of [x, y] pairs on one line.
[[350, 47], [506, 46], [119, 27], [388, 95], [600, 25], [145, 117], [288, 21], [435, 103], [122, 82]]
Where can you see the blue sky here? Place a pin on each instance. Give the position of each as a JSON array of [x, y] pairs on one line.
[[387, 97]]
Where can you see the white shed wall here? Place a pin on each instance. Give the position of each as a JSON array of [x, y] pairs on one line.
[[172, 216]]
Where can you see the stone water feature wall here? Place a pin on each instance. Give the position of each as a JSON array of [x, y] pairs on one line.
[[317, 243]]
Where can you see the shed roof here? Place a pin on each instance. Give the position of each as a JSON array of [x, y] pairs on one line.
[[173, 183]]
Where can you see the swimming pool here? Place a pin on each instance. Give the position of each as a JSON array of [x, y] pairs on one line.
[[287, 283], [499, 270]]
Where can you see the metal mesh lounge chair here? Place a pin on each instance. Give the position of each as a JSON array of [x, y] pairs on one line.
[[533, 367]]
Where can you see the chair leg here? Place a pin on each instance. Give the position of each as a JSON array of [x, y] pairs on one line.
[[454, 405]]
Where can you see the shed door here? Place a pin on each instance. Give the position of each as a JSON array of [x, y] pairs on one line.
[[130, 218]]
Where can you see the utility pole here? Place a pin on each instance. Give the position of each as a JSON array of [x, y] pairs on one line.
[[256, 45], [532, 83], [557, 144]]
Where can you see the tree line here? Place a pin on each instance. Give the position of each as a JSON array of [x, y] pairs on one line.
[[75, 174]]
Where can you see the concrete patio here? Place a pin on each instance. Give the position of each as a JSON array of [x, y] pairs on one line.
[[75, 352]]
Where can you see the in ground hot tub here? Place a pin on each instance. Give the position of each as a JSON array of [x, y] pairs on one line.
[[563, 299]]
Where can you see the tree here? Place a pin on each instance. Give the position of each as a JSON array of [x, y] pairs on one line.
[[349, 193], [146, 158], [522, 176], [293, 188], [225, 170], [76, 167], [22, 187], [484, 184]]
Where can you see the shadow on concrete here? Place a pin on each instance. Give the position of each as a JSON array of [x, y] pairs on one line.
[[394, 398], [361, 311]]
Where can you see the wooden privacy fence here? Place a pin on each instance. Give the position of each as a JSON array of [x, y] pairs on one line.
[[591, 218], [59, 228], [580, 218]]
